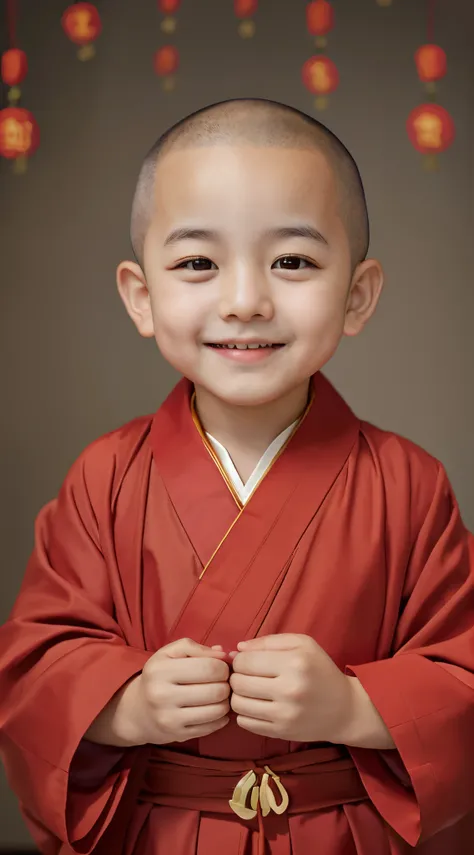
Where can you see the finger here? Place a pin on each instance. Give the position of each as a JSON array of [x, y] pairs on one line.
[[187, 647], [205, 670], [205, 714], [249, 707], [285, 641], [254, 725], [198, 731], [253, 687], [200, 695], [258, 663]]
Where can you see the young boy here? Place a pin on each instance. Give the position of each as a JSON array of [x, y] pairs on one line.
[[248, 622]]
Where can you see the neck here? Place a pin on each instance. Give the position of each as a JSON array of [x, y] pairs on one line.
[[247, 431]]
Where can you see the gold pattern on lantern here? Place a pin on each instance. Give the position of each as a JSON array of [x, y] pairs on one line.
[[429, 128], [81, 25], [247, 29], [17, 135], [320, 76]]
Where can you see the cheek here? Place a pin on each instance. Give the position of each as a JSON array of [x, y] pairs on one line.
[[319, 313], [175, 314]]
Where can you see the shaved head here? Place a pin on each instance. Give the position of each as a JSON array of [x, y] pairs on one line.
[[259, 123]]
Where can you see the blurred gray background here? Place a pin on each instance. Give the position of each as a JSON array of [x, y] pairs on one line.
[[73, 367]]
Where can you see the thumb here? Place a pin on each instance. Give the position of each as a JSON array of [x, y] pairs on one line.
[[285, 641], [186, 647]]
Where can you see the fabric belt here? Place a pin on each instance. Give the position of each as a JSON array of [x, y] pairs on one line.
[[295, 783]]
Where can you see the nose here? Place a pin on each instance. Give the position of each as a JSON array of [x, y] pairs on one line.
[[245, 294]]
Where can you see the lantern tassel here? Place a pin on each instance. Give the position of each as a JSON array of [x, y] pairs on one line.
[[20, 165], [86, 52], [431, 163]]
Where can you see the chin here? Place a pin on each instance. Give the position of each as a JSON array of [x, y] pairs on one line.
[[245, 394]]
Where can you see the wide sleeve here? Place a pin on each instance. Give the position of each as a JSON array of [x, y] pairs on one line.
[[425, 691], [63, 657]]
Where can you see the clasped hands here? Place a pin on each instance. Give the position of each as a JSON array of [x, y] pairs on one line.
[[281, 686]]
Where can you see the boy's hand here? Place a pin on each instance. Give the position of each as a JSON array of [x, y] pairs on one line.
[[287, 687], [182, 693]]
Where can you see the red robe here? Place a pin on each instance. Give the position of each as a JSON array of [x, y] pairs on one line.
[[353, 537]]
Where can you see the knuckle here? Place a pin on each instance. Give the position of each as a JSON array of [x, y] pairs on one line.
[[168, 721], [235, 682], [221, 669], [236, 703], [223, 708], [157, 692], [223, 691], [300, 664], [295, 691], [297, 662]]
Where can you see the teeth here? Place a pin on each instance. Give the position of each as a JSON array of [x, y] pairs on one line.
[[242, 346]]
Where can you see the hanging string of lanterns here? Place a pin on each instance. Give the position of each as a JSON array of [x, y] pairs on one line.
[[244, 10], [82, 25], [320, 74], [166, 59], [430, 127], [168, 9], [14, 71], [19, 130]]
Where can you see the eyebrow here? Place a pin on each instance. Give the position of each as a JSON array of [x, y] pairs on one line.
[[302, 231], [190, 234]]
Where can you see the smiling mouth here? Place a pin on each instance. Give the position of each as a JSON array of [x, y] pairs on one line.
[[243, 346]]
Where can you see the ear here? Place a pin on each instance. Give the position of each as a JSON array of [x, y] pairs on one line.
[[364, 294], [132, 287]]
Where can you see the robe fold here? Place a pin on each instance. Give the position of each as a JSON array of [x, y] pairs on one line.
[[353, 537]]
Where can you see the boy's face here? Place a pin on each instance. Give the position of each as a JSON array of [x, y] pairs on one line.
[[247, 246]]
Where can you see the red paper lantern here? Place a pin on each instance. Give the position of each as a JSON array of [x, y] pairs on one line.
[[166, 60], [431, 63], [19, 133], [431, 129], [169, 7], [82, 25], [14, 66], [321, 77], [244, 9], [320, 19]]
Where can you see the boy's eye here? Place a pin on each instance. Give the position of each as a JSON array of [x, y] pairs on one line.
[[292, 262], [198, 264]]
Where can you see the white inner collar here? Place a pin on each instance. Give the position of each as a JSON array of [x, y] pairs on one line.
[[244, 491]]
